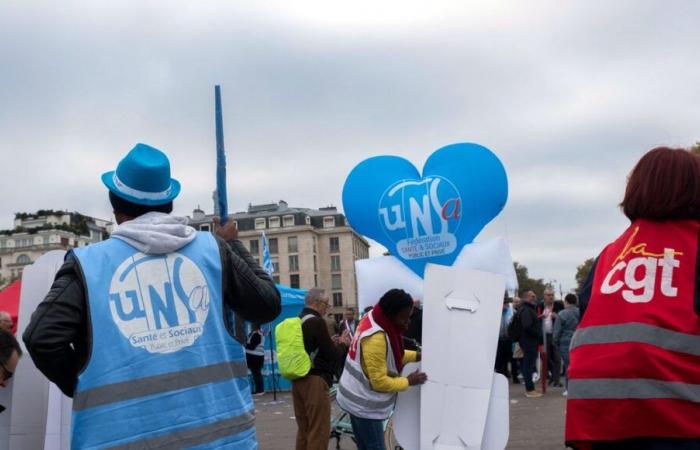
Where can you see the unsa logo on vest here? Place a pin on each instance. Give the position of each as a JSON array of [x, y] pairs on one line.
[[421, 217], [159, 303]]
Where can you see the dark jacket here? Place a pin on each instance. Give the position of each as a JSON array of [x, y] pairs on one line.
[[531, 334], [58, 336], [317, 339]]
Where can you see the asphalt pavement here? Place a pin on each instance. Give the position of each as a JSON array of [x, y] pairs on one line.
[[535, 423]]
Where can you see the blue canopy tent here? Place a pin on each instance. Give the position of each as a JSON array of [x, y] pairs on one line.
[[292, 304]]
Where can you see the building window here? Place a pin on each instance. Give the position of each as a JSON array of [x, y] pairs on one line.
[[294, 281], [276, 279], [274, 222], [204, 228], [314, 244], [292, 246], [307, 220], [315, 279], [335, 263], [288, 221], [273, 246], [1, 264], [260, 223], [315, 266], [294, 263], [337, 299], [328, 222], [335, 282], [335, 245], [254, 247], [275, 264], [23, 259]]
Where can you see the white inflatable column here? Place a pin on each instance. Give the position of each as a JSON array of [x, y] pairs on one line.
[[36, 401], [462, 312]]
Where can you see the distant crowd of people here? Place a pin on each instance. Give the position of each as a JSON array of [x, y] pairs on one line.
[[531, 328]]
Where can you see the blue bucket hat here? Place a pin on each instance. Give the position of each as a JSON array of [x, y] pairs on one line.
[[143, 177]]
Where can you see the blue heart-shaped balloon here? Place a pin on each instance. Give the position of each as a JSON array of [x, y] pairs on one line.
[[429, 218]]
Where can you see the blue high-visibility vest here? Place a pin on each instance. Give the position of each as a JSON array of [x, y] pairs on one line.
[[163, 370]]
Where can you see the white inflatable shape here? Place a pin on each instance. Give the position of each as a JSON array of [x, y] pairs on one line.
[[406, 418], [498, 418], [41, 420], [461, 317], [375, 276], [493, 256]]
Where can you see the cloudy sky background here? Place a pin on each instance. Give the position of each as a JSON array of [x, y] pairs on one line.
[[568, 94]]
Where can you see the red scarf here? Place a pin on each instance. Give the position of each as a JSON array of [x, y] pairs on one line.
[[393, 332]]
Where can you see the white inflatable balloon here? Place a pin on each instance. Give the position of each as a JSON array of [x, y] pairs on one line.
[[461, 317], [375, 276], [41, 420], [406, 418]]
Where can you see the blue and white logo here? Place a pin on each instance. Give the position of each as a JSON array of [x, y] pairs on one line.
[[159, 303], [426, 217], [421, 216]]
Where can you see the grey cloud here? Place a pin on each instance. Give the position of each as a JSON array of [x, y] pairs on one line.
[[568, 95]]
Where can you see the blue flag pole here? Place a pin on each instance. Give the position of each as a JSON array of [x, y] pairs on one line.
[[220, 159]]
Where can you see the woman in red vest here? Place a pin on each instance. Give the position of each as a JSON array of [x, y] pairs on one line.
[[634, 379]]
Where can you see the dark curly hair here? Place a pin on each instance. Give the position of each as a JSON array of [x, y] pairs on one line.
[[394, 301]]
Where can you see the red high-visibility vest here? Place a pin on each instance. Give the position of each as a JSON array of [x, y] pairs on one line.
[[635, 357]]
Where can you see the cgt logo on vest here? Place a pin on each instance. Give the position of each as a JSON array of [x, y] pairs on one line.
[[421, 217], [159, 303], [647, 265]]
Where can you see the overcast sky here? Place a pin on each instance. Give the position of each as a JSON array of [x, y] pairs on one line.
[[568, 94]]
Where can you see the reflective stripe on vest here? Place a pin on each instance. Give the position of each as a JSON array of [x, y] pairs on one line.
[[637, 332], [355, 394], [158, 384], [191, 437], [636, 353], [615, 388], [164, 371]]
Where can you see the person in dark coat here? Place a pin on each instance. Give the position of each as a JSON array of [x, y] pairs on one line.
[[530, 338]]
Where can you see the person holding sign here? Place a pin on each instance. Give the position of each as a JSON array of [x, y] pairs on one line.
[[137, 328], [370, 381]]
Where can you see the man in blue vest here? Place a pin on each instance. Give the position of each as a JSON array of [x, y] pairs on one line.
[[138, 329]]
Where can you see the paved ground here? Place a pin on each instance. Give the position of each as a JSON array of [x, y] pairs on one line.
[[535, 423]]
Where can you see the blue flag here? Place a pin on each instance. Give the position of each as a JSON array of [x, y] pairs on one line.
[[266, 261]]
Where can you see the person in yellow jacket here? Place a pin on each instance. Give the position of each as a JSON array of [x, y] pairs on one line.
[[371, 378]]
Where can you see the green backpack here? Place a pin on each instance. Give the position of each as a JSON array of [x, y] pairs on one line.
[[292, 359]]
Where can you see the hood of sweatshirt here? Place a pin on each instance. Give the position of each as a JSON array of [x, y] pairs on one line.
[[156, 233]]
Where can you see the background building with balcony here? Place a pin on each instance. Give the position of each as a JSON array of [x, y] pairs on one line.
[[37, 233], [308, 247]]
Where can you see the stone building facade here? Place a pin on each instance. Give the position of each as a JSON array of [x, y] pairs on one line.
[[37, 233], [308, 247]]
